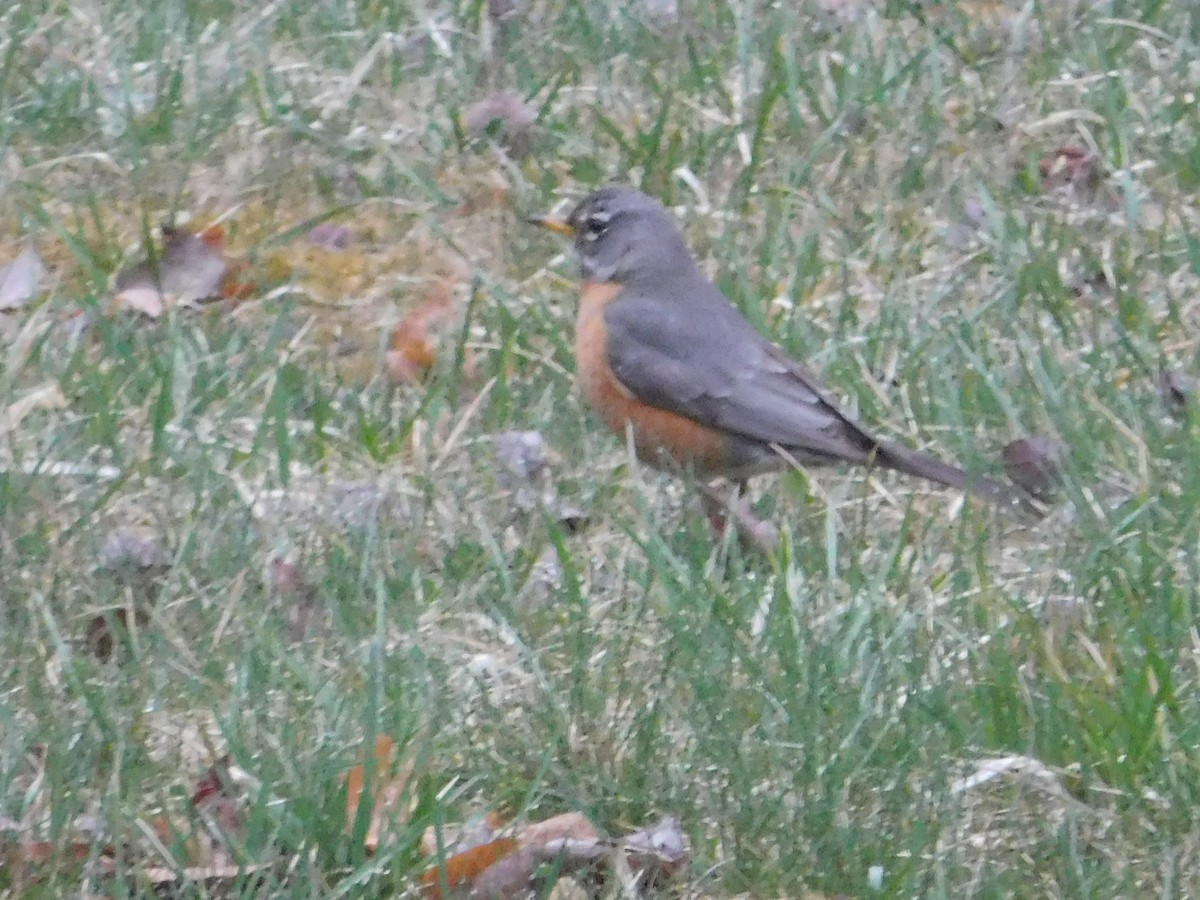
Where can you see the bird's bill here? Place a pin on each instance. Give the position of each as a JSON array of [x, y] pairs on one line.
[[558, 226]]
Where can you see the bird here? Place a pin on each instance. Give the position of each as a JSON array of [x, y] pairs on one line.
[[663, 356]]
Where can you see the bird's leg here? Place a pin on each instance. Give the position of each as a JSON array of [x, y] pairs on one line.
[[730, 507]]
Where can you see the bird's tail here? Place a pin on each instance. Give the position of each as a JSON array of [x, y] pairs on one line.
[[922, 465]]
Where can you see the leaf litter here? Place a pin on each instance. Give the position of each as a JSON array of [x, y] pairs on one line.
[[21, 280], [191, 269]]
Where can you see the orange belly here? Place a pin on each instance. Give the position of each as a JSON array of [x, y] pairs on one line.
[[661, 438]]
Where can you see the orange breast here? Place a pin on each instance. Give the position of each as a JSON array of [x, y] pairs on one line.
[[659, 437]]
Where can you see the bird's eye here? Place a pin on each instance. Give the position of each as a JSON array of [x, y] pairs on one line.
[[595, 224]]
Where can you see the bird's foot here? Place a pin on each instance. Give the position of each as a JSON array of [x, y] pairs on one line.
[[725, 508]]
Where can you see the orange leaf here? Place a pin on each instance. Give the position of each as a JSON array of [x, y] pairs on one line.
[[391, 782], [214, 236], [462, 839], [463, 868]]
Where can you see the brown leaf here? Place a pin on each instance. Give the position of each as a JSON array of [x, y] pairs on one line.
[[471, 835], [102, 642], [190, 268], [25, 863], [573, 825], [21, 279], [1036, 464], [298, 596], [464, 868], [505, 115], [216, 780], [390, 786], [414, 342], [510, 876], [567, 844], [221, 814], [219, 877], [1069, 166], [1177, 389]]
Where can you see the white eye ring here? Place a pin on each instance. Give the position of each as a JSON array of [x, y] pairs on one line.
[[595, 224]]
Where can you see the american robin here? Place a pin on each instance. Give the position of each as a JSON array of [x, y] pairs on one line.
[[662, 354]]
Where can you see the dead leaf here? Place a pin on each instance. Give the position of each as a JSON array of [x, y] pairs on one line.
[[573, 825], [502, 9], [220, 810], [47, 396], [1036, 464], [1070, 166], [1177, 389], [21, 279], [522, 454], [298, 597], [511, 876], [391, 784], [331, 236], [564, 845], [414, 343], [107, 629], [133, 555], [213, 878], [459, 840], [191, 268], [660, 850], [464, 868], [505, 115]]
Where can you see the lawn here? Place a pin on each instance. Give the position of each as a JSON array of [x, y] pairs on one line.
[[280, 524]]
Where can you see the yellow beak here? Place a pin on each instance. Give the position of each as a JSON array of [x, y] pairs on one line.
[[558, 226]]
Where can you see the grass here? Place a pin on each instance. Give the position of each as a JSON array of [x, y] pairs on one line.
[[807, 716]]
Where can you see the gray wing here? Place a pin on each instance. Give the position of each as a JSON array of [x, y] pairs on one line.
[[706, 362]]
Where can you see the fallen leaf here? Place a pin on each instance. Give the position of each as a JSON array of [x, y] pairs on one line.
[[1036, 464], [414, 342], [561, 846], [214, 781], [131, 555], [47, 396], [331, 236], [522, 454], [658, 851], [20, 280], [463, 868], [390, 787], [298, 596], [107, 629], [1069, 166], [502, 9], [1177, 389], [220, 877], [511, 876], [220, 810], [506, 116], [459, 840], [191, 268], [573, 825]]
